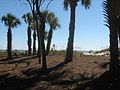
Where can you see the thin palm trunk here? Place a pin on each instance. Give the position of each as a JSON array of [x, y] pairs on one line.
[[49, 41], [69, 52], [34, 42], [29, 41], [119, 27], [38, 29], [44, 63], [119, 34], [42, 30], [9, 43], [38, 36], [39, 42]]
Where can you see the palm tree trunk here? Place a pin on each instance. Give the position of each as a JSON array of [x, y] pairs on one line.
[[118, 25], [34, 42], [42, 30], [112, 14], [44, 63], [39, 43], [29, 41], [69, 52], [119, 34], [9, 44], [113, 51], [38, 31], [49, 41], [113, 42]]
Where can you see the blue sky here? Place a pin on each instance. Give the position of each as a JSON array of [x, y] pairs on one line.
[[90, 32]]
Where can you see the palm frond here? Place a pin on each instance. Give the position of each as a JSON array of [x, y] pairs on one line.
[[86, 3], [45, 35], [106, 13], [52, 20], [27, 17], [66, 4]]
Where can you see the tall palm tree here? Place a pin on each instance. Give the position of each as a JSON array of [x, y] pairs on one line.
[[111, 12], [42, 37], [33, 27], [37, 26], [54, 24], [28, 19], [10, 21], [73, 5]]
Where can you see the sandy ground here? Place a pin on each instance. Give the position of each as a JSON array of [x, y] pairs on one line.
[[25, 73]]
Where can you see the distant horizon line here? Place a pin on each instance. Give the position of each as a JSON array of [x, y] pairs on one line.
[[55, 49]]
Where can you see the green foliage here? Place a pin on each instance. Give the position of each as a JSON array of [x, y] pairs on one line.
[[3, 54], [78, 53], [10, 20], [66, 4], [85, 3], [107, 49], [45, 35], [15, 54], [61, 52], [28, 18], [52, 20], [106, 12]]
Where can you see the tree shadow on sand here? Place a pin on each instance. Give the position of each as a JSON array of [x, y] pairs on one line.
[[29, 77], [107, 81], [52, 77], [16, 60]]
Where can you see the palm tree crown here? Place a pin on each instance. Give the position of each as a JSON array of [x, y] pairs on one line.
[[85, 3], [10, 20], [53, 21], [28, 18]]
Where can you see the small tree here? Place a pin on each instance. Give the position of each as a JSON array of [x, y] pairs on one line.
[[10, 21], [54, 24], [28, 19], [33, 27], [73, 4]]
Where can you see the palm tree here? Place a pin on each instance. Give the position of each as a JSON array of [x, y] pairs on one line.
[[73, 5], [111, 12], [37, 26], [54, 24], [28, 19], [33, 27], [42, 37], [10, 21]]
